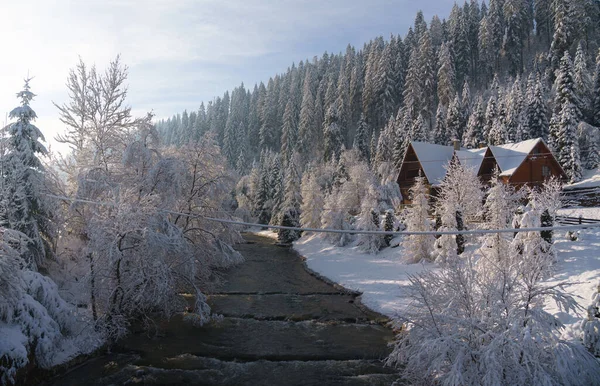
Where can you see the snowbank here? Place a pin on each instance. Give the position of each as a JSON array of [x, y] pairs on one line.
[[590, 179], [383, 278]]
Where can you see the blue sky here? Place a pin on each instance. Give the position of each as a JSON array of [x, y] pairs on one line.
[[180, 53]]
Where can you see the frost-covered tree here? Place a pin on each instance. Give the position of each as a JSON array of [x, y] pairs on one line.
[[23, 181], [334, 216], [312, 201], [500, 206], [368, 220], [417, 248], [457, 193]]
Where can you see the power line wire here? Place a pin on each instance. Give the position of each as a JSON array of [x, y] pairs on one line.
[[348, 231]]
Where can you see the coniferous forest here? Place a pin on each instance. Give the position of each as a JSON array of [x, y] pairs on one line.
[[490, 73]]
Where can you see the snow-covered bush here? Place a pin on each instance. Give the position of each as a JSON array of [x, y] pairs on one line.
[[591, 325], [36, 324], [468, 326]]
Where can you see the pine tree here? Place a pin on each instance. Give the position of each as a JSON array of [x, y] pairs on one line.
[[474, 136], [384, 152], [537, 116], [307, 129], [565, 95], [361, 138], [582, 82], [567, 144], [419, 130], [388, 226], [491, 115], [454, 120], [291, 205], [446, 76], [332, 135], [23, 180], [440, 134], [289, 134], [596, 93]]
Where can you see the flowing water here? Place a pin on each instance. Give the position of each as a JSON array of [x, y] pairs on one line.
[[281, 326]]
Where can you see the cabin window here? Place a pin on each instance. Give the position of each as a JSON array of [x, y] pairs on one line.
[[535, 151], [545, 171]]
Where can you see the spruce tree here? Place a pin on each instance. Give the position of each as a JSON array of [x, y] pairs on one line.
[[446, 76], [567, 144], [440, 134], [596, 93], [332, 135], [23, 181], [290, 210], [388, 226], [537, 115], [361, 139], [454, 121], [474, 136]]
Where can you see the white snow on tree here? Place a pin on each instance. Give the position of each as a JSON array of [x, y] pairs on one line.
[[23, 181], [369, 220], [455, 207], [483, 322], [335, 216], [312, 201], [291, 205], [417, 248], [500, 206], [591, 325]]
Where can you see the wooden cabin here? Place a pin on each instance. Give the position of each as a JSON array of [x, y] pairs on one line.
[[523, 163]]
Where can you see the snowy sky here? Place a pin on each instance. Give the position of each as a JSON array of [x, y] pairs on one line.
[[181, 52]]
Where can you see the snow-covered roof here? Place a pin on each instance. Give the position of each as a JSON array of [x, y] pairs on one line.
[[471, 158], [511, 155], [433, 159]]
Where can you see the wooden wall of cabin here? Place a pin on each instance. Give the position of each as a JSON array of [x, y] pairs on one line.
[[532, 171]]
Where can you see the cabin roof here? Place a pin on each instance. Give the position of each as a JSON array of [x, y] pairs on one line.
[[511, 155], [471, 158], [433, 159]]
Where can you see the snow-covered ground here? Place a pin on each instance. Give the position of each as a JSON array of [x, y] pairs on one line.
[[383, 278], [593, 213], [591, 178]]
